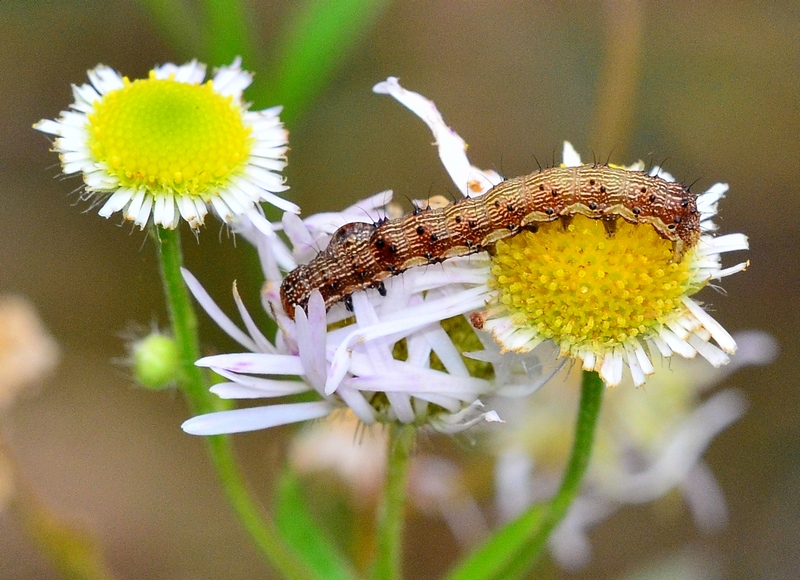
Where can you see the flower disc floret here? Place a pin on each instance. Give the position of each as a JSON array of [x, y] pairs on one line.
[[165, 135], [586, 290]]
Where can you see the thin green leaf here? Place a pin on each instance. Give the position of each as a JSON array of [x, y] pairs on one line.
[[300, 532], [514, 549], [320, 35], [176, 23], [499, 554], [227, 32]]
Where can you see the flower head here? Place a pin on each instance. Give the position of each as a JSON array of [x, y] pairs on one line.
[[389, 360], [171, 145], [604, 292], [648, 442], [378, 351]]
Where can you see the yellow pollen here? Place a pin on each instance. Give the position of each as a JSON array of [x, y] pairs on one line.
[[169, 136], [586, 290]]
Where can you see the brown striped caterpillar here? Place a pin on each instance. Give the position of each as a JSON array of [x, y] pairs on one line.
[[361, 255]]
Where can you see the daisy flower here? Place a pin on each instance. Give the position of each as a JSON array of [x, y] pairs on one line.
[[169, 146], [389, 360], [647, 443], [608, 301]]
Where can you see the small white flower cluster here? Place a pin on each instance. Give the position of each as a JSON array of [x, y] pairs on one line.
[[353, 364], [348, 359]]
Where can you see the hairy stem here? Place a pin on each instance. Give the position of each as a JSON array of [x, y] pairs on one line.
[[192, 381]]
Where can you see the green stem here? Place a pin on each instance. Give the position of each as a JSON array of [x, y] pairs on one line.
[[193, 382], [390, 517], [184, 323], [591, 397], [514, 549], [227, 31], [177, 24]]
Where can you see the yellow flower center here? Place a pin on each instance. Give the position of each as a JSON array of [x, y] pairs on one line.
[[584, 289], [166, 135]]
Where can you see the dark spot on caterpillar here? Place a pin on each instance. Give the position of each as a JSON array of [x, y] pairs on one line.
[[382, 289], [361, 255], [348, 302]]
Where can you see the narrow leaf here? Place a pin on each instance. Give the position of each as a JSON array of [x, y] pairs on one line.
[[302, 533]]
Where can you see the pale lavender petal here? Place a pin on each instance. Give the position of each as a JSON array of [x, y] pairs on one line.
[[311, 339], [684, 449], [254, 363], [706, 501], [252, 419], [247, 387], [267, 387], [252, 328], [216, 313]]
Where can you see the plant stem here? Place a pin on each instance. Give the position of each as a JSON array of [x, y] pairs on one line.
[[390, 517], [193, 382], [184, 323], [227, 31], [591, 397]]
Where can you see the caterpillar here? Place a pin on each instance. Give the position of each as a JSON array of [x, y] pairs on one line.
[[361, 255]]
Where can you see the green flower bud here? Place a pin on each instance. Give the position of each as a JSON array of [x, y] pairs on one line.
[[155, 361]]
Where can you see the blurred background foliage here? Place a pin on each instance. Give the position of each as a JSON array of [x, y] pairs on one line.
[[712, 87]]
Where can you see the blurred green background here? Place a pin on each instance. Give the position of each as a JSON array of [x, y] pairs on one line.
[[713, 87]]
